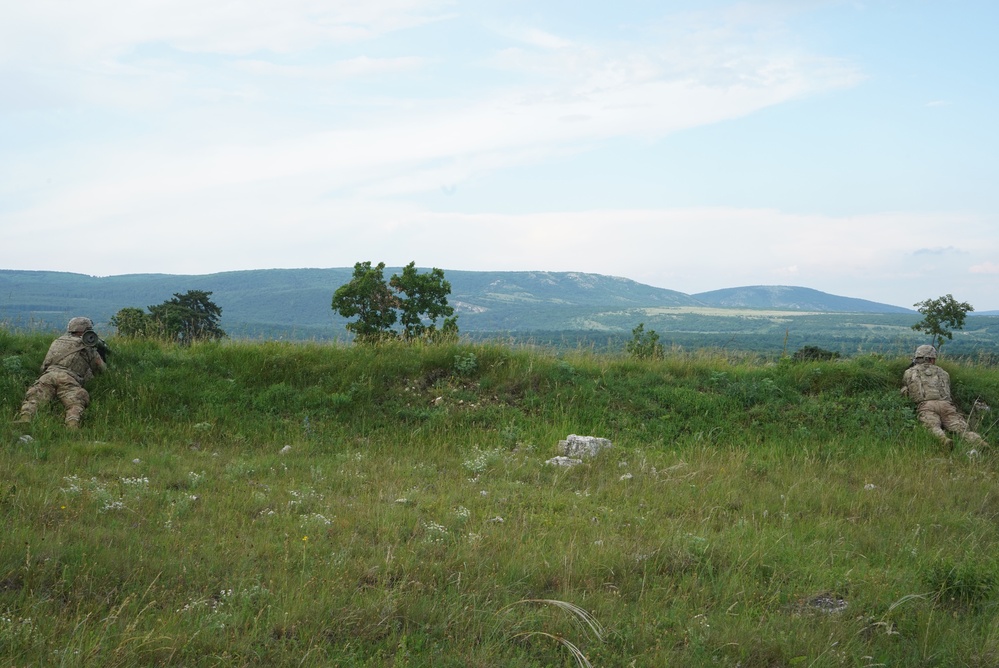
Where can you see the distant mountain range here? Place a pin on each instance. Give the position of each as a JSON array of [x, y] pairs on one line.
[[296, 303]]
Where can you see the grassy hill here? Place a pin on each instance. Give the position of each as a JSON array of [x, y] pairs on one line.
[[306, 504], [562, 309], [792, 298]]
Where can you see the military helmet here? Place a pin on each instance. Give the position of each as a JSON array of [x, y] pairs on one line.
[[79, 324], [927, 352]]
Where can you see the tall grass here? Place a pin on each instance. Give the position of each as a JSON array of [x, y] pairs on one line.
[[301, 504]]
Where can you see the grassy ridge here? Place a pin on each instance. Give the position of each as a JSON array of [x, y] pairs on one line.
[[285, 504]]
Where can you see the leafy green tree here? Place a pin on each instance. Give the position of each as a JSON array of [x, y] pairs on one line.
[[424, 297], [414, 299], [188, 317], [132, 322], [940, 317], [645, 345], [368, 298]]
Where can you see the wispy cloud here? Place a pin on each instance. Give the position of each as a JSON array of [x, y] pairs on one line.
[[939, 250], [985, 268]]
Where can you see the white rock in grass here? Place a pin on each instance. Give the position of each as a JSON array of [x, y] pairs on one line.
[[583, 446], [286, 449], [564, 461]]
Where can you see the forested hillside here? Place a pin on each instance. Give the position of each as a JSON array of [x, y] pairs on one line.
[[564, 309]]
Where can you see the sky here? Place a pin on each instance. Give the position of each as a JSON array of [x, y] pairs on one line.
[[846, 146]]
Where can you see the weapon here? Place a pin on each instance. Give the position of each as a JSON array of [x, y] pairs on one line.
[[92, 340]]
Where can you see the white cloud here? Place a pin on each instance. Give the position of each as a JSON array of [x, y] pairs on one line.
[[54, 30], [331, 127], [348, 68]]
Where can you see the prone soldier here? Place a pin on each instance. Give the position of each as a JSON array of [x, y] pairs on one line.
[[72, 361], [929, 387]]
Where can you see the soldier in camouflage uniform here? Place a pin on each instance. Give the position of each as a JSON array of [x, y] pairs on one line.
[[929, 386], [68, 365]]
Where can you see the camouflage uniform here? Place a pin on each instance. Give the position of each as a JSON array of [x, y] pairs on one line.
[[68, 365], [929, 386]]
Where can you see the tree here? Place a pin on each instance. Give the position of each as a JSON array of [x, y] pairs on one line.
[[367, 297], [644, 345], [132, 322], [188, 317], [412, 298], [940, 316], [424, 297]]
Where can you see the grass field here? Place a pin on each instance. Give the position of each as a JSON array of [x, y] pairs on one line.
[[280, 504]]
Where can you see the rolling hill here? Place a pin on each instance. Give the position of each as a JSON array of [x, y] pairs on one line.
[[536, 305], [792, 299]]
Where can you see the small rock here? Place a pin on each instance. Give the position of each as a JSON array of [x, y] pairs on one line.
[[869, 486], [564, 461], [26, 439], [286, 449]]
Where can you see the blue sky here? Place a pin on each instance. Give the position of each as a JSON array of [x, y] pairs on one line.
[[844, 146]]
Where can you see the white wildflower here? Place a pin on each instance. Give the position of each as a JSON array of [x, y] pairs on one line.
[[436, 533], [135, 482], [112, 505]]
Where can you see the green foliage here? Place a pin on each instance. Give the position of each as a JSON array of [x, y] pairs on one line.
[[940, 317], [968, 584], [424, 296], [410, 297], [282, 504], [185, 318], [644, 345], [132, 322], [813, 354], [368, 298], [188, 317]]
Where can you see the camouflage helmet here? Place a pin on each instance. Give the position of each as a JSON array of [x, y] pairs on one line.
[[926, 352], [79, 324]]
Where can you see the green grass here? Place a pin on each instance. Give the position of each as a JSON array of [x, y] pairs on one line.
[[309, 505]]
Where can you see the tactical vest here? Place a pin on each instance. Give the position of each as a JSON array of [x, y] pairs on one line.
[[927, 382], [68, 353]]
